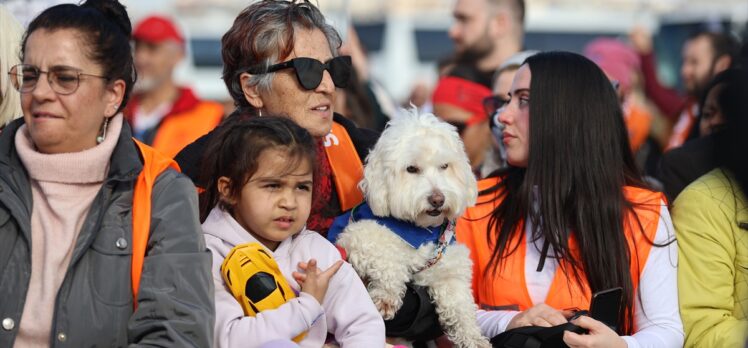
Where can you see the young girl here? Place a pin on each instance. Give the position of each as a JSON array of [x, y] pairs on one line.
[[259, 175]]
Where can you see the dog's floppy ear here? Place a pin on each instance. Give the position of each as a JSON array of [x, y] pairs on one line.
[[374, 185]]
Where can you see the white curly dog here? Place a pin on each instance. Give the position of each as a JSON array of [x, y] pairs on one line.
[[417, 182]]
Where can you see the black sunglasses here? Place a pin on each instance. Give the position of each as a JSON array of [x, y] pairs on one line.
[[309, 71]]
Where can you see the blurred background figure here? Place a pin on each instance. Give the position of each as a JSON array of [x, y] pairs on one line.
[[161, 113], [10, 45], [621, 64], [704, 55], [485, 33], [364, 101], [682, 166]]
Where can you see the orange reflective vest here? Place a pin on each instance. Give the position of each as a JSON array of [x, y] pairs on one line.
[[347, 168], [181, 129], [154, 163], [507, 290], [638, 122], [683, 126]]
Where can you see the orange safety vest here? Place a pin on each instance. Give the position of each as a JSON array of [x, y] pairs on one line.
[[507, 290], [347, 168], [154, 163], [181, 129], [638, 122], [682, 128]]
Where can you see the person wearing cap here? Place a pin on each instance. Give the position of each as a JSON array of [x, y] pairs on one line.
[[620, 63], [163, 114]]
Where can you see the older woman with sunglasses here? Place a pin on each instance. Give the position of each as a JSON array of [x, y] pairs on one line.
[[280, 58], [100, 242]]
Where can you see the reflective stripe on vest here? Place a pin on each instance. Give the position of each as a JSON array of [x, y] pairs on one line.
[[508, 288], [181, 129], [154, 163], [347, 168]]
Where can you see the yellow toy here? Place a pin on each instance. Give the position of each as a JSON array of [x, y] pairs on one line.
[[255, 280]]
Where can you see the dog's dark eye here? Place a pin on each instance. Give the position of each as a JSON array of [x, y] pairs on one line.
[[413, 169], [444, 166]]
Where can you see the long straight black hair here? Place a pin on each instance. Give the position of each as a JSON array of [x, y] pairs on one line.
[[579, 161]]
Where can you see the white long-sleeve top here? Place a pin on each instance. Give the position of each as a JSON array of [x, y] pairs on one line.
[[347, 311], [656, 314]]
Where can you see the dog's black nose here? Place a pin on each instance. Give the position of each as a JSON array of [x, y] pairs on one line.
[[436, 199]]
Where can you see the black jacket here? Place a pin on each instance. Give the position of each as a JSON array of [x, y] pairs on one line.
[[682, 166]]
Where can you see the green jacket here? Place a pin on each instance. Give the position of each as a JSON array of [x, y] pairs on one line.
[[94, 306], [711, 223]]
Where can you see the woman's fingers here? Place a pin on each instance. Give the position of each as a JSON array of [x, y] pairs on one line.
[[590, 324], [575, 340]]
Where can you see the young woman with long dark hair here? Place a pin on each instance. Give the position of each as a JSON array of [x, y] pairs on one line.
[[571, 216]]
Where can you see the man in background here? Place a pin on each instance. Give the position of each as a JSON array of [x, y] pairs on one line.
[[485, 34], [161, 113], [705, 54]]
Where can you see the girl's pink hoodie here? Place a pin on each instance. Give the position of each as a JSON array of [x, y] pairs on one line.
[[346, 311]]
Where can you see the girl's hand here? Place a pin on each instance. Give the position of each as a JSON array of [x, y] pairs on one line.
[[600, 335], [539, 315], [314, 281]]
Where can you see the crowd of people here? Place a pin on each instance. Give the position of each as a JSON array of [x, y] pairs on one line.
[[126, 202]]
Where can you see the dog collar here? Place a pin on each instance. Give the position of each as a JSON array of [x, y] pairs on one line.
[[413, 235]]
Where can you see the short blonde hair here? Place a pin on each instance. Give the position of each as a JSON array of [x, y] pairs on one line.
[[10, 46]]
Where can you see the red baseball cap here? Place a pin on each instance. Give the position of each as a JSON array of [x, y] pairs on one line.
[[157, 29]]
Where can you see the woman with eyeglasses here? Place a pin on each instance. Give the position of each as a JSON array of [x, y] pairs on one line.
[[571, 217], [100, 242], [281, 58]]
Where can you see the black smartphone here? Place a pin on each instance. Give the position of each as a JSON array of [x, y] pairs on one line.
[[606, 306]]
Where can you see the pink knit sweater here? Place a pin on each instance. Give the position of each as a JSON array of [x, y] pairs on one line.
[[63, 187]]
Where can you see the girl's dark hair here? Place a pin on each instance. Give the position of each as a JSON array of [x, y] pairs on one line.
[[732, 142], [235, 148], [105, 28], [579, 161]]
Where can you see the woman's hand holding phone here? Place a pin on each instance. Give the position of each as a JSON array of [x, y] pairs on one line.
[[600, 335]]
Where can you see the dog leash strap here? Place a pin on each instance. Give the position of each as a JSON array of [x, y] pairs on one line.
[[445, 238]]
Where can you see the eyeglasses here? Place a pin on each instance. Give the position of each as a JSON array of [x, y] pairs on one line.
[[493, 103], [63, 80], [309, 71]]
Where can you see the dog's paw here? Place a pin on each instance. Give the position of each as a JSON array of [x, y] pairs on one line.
[[386, 304], [386, 309]]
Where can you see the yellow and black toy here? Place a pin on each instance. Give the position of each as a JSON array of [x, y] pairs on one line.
[[255, 280]]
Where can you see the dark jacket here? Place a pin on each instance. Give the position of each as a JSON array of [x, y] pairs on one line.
[[683, 165], [94, 305]]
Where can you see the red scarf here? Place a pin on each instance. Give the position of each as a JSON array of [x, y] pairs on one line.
[[319, 219]]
